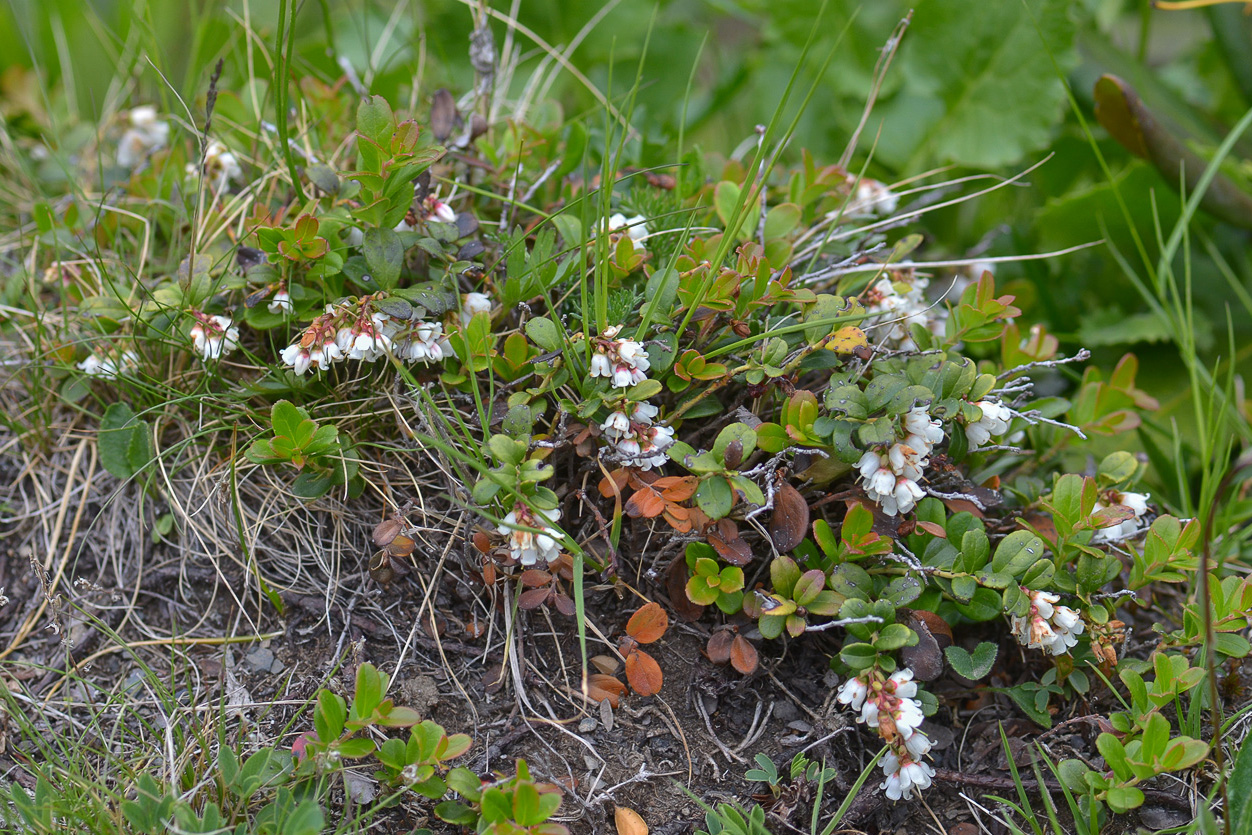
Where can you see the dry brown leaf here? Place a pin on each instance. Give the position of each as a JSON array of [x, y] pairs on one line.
[[648, 624], [643, 673], [606, 664], [743, 656], [790, 520], [718, 648], [628, 821]]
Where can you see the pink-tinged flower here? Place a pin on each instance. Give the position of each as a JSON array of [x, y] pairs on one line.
[[527, 547], [214, 336], [423, 342], [221, 168], [616, 426], [904, 775], [1048, 626], [436, 209], [994, 421], [853, 692], [281, 303], [906, 461], [624, 361]]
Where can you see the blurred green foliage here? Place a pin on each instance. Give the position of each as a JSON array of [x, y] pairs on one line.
[[975, 87]]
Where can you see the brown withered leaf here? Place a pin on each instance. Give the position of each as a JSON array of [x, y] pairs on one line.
[[645, 502], [648, 624], [718, 649], [678, 517], [743, 656], [728, 544], [676, 588], [925, 659], [565, 604], [790, 520], [933, 529], [643, 673], [628, 821], [601, 687], [386, 531], [677, 488], [443, 115], [533, 598], [733, 456], [613, 484], [535, 577], [606, 664], [482, 542]]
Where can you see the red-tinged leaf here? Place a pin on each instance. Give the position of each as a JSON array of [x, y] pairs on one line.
[[963, 506], [676, 588], [646, 503], [643, 673], [648, 624], [533, 598], [743, 656], [298, 747], [933, 528], [790, 520], [535, 577], [482, 542], [718, 649]]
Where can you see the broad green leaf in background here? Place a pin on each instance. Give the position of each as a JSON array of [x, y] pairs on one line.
[[967, 63], [124, 446]]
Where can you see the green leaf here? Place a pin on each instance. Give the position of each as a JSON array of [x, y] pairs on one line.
[[985, 605], [123, 441], [858, 656], [715, 497], [374, 119], [1017, 552], [894, 636], [544, 334], [1122, 799], [966, 64], [973, 666], [385, 255]]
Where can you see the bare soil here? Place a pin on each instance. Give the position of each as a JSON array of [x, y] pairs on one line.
[[121, 601]]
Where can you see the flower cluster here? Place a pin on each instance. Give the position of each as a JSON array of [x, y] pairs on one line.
[[146, 135], [527, 547], [891, 476], [640, 442], [634, 228], [898, 302], [1049, 627], [624, 361], [213, 336], [110, 365], [994, 421], [1137, 502], [891, 706], [358, 332]]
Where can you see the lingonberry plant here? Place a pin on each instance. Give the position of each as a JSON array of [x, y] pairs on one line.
[[832, 437]]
